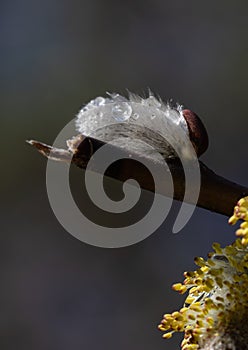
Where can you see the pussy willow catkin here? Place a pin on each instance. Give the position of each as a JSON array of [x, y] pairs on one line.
[[217, 299], [168, 129]]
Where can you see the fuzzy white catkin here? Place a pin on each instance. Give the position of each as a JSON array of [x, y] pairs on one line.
[[144, 126]]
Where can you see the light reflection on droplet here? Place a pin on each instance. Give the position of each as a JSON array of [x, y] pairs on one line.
[[121, 111]]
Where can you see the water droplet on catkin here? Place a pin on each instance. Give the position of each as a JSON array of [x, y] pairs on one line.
[[121, 111]]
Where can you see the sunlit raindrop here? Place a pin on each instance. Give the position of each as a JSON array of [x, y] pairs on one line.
[[121, 111], [99, 101]]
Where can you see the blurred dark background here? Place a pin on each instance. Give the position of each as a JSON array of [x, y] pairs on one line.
[[57, 292]]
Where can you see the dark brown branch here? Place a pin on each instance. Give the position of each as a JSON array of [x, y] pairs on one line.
[[217, 194]]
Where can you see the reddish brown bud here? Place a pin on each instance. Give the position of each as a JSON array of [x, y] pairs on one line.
[[197, 132]]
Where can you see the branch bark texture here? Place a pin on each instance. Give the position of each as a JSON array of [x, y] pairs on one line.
[[217, 193]]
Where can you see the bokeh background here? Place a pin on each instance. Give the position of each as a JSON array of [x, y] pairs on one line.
[[57, 292]]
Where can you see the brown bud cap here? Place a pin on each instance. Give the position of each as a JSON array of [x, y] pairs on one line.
[[197, 132]]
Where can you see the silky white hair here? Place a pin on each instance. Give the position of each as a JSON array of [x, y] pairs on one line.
[[134, 123]]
